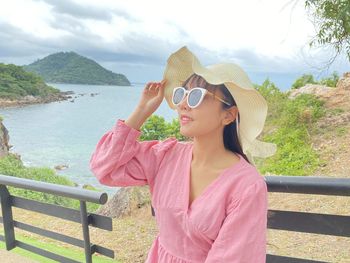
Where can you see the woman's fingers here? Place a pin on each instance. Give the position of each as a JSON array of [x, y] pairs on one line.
[[148, 85], [153, 86]]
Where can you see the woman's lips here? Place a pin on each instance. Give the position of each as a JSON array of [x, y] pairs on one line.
[[185, 120]]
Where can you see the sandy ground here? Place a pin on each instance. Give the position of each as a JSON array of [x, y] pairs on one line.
[[10, 257]]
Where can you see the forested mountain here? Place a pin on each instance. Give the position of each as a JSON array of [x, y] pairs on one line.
[[72, 68], [16, 83]]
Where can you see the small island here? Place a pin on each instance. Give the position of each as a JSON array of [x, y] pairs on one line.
[[19, 87], [72, 68]]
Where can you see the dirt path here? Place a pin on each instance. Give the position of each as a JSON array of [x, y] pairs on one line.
[[11, 257]]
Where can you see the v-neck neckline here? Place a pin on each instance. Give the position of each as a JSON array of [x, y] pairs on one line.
[[188, 206]]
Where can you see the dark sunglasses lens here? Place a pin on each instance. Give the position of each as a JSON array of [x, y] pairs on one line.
[[178, 96], [194, 97]]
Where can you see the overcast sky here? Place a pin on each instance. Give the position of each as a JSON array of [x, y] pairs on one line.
[[267, 38]]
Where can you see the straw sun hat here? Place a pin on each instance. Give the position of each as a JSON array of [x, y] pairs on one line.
[[251, 104]]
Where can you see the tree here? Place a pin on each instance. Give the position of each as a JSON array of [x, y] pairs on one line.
[[332, 23], [303, 80]]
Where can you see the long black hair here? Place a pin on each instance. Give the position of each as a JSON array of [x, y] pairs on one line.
[[230, 135]]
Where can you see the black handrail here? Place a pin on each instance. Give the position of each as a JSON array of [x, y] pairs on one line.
[[86, 219], [55, 189], [309, 185]]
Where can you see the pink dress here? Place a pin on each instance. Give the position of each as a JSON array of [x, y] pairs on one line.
[[226, 223]]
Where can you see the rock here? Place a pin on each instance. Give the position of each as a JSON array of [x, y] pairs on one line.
[[4, 140], [344, 82], [17, 156], [61, 166], [125, 201], [337, 97], [29, 99], [67, 92], [318, 90]]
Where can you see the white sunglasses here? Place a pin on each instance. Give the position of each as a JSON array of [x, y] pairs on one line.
[[194, 98]]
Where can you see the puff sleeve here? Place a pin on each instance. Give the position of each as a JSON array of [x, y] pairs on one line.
[[119, 159], [242, 237]]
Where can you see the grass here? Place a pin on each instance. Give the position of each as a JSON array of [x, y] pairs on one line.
[[74, 254], [341, 131], [291, 122], [336, 111]]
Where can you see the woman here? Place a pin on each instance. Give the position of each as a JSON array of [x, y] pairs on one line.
[[210, 201]]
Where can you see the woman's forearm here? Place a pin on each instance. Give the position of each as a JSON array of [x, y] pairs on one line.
[[137, 118]]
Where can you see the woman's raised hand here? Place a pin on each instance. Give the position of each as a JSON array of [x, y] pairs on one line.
[[152, 97]]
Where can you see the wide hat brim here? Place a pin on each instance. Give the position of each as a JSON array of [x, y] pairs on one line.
[[251, 104]]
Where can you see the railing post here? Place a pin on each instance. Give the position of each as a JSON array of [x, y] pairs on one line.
[[86, 235], [7, 218]]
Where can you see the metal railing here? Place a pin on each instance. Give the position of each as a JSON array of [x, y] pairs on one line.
[[326, 224], [86, 219], [315, 223]]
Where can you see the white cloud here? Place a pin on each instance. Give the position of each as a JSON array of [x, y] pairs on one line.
[[260, 35], [271, 27], [31, 17]]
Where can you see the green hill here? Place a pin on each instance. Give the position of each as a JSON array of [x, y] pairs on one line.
[[16, 83], [69, 67]]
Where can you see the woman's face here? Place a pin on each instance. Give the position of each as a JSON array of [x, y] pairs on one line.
[[207, 118]]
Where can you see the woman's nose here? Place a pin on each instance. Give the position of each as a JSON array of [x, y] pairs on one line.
[[183, 103]]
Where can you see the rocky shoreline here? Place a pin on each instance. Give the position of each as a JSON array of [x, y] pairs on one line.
[[29, 100]]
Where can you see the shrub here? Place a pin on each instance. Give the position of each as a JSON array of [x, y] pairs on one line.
[[292, 121], [330, 81], [303, 80], [309, 79], [10, 165], [156, 128]]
